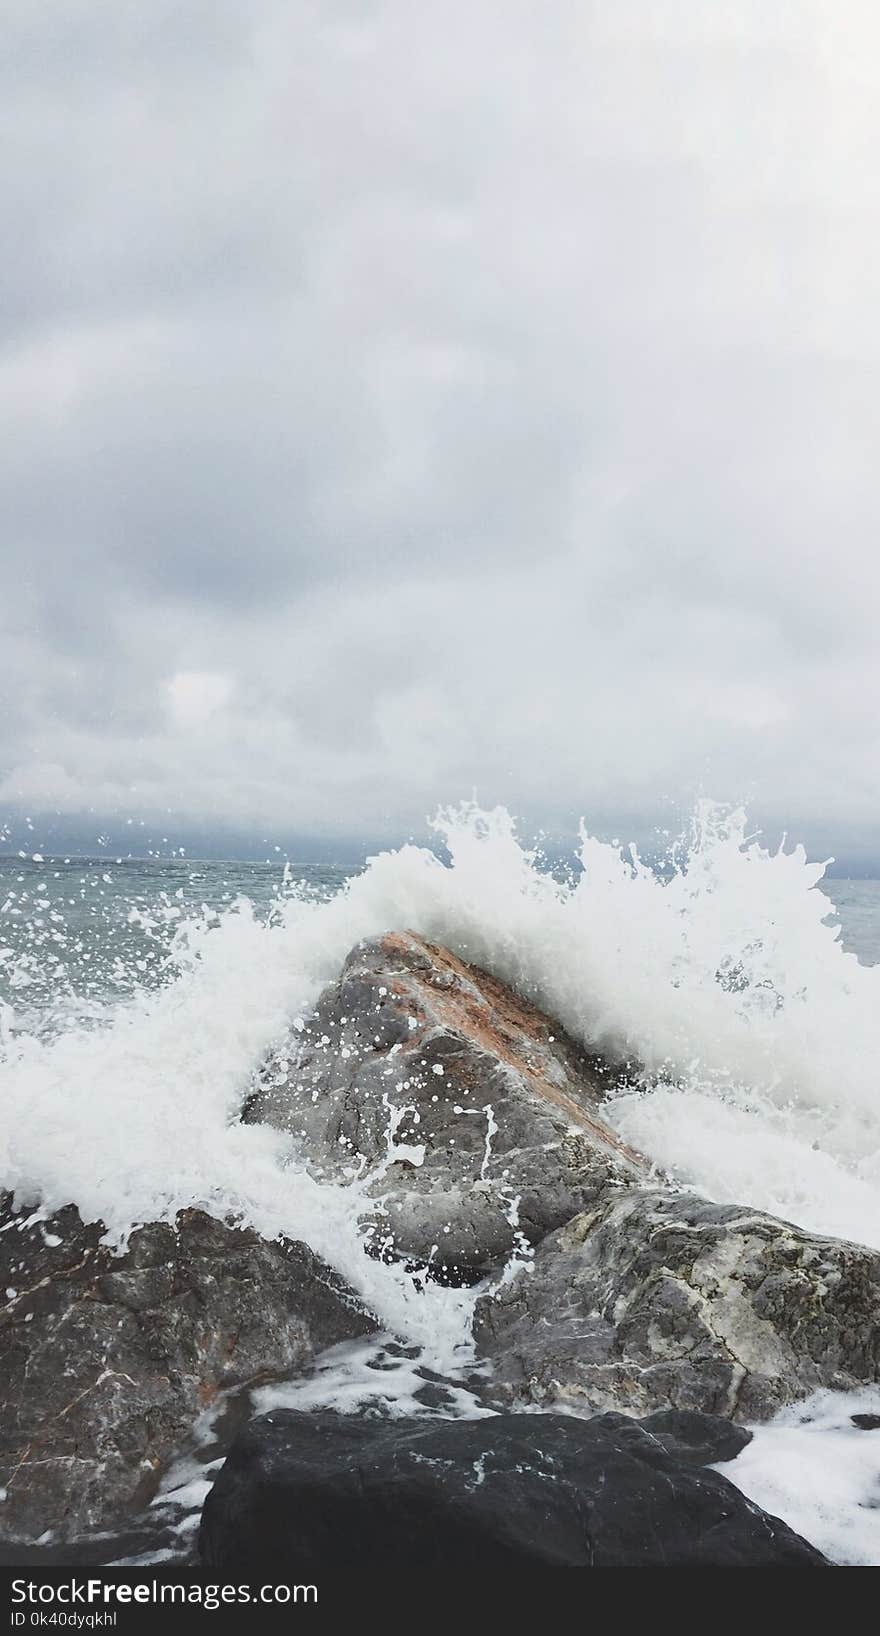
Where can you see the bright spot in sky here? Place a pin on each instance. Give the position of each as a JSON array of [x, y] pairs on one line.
[[195, 695]]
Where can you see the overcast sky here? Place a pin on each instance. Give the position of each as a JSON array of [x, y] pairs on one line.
[[401, 398]]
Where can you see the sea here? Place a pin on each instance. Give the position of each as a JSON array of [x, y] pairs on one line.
[[140, 997]]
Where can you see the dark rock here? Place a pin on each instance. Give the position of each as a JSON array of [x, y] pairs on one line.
[[696, 1439], [656, 1300], [106, 1361], [304, 1494], [866, 1422], [465, 1112]]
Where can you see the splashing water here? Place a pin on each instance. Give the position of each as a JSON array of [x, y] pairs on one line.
[[127, 1047], [749, 1034], [754, 1032]]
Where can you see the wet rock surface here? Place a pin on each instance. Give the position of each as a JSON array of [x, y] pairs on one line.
[[470, 1128], [107, 1361], [660, 1300], [306, 1494], [696, 1439], [461, 1107]]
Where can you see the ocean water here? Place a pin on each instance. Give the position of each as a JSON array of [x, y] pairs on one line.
[[139, 999]]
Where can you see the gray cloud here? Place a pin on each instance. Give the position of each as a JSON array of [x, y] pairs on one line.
[[398, 399]]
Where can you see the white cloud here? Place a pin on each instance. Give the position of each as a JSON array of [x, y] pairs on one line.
[[420, 398], [194, 696], [43, 785]]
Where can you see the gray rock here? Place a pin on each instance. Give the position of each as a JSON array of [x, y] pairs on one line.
[[466, 1113], [107, 1361], [655, 1300]]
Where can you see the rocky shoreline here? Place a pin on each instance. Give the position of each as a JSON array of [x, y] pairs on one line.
[[472, 1129]]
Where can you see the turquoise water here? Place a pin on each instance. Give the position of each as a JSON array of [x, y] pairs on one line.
[[78, 934], [858, 909]]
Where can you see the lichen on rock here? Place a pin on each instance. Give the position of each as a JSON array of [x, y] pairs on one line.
[[656, 1299]]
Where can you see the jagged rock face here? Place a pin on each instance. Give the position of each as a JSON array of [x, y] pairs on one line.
[[107, 1361], [465, 1110], [657, 1300], [303, 1496]]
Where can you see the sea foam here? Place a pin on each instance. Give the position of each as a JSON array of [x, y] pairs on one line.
[[751, 1038], [754, 1036]]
